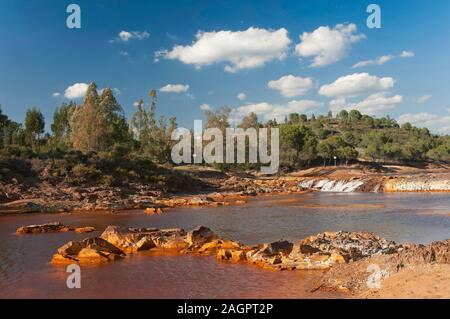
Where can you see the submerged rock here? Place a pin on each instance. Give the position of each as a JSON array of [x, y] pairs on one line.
[[44, 228]]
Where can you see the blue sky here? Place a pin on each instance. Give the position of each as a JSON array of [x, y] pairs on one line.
[[245, 46]]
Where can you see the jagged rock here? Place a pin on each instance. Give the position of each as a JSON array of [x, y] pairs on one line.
[[145, 243], [215, 245], [173, 242], [277, 247], [88, 251], [200, 236], [129, 239], [351, 245], [231, 255], [44, 228]]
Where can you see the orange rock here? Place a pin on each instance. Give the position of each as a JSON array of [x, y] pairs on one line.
[[153, 210], [224, 254], [237, 256], [91, 256], [59, 259], [319, 257], [87, 229], [337, 258], [229, 244]]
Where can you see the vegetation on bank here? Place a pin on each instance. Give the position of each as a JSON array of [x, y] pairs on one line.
[[94, 142]]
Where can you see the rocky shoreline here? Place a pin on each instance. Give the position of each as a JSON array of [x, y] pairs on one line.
[[351, 260], [228, 190]]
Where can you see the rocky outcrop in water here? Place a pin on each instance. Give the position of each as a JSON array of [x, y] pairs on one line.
[[55, 227], [131, 240], [44, 228], [321, 251], [88, 251]]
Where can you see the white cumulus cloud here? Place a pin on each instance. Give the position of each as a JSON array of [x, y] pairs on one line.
[[375, 104], [175, 88], [356, 84], [436, 123], [267, 111], [290, 86], [248, 49], [328, 45], [76, 91]]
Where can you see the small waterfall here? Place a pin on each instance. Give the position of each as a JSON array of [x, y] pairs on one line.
[[325, 185]]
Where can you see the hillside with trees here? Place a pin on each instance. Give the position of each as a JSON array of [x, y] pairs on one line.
[[95, 143]]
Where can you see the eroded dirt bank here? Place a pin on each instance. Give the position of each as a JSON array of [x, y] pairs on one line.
[[208, 187]]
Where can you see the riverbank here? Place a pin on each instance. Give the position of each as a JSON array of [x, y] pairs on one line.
[[350, 264], [215, 188], [416, 271]]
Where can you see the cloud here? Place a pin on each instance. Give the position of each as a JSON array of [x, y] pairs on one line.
[[375, 104], [382, 59], [356, 84], [175, 88], [266, 111], [290, 86], [205, 107], [327, 45], [56, 94], [124, 53], [247, 49], [436, 123], [125, 36], [407, 54], [423, 99], [241, 96], [379, 61], [76, 91]]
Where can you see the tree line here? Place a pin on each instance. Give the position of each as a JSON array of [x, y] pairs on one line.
[[99, 126]]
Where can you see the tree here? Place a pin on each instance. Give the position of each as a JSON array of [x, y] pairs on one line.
[[354, 116], [113, 120], [250, 120], [99, 123], [34, 126], [139, 125], [347, 153]]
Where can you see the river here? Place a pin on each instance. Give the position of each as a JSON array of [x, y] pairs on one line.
[[25, 271]]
